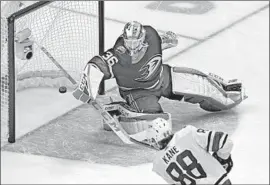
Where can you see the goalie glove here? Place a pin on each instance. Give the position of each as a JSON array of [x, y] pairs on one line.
[[88, 87], [169, 39], [230, 85], [233, 88], [226, 163]]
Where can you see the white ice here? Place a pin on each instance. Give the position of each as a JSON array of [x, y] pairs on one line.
[[239, 52]]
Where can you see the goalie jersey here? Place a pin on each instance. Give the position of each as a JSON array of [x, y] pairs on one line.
[[187, 159], [141, 72]]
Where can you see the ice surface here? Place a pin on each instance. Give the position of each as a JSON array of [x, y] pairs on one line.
[[239, 52]]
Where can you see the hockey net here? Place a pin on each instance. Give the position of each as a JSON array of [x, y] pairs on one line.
[[69, 32]]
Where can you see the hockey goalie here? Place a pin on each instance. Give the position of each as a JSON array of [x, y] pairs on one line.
[[135, 61]]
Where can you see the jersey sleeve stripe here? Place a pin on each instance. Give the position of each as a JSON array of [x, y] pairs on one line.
[[225, 139], [208, 141], [216, 140], [222, 140]]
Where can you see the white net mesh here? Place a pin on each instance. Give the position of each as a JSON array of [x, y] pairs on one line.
[[68, 30], [4, 80]]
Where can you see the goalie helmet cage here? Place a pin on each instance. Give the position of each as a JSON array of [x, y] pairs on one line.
[[10, 77]]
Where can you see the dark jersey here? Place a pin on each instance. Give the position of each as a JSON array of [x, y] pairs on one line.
[[145, 73]]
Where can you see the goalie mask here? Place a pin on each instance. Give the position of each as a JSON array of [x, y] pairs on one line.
[[134, 37], [159, 131]]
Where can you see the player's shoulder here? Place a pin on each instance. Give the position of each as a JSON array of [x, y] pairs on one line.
[[114, 52], [119, 41], [109, 57], [108, 54], [119, 48], [188, 128], [186, 131], [195, 131], [151, 34], [149, 29], [183, 132]]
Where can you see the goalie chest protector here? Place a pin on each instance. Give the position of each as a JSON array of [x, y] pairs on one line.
[[146, 72]]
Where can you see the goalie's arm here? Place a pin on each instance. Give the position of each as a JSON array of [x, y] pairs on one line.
[[167, 39], [101, 63], [94, 72]]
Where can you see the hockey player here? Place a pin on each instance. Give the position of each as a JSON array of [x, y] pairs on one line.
[[135, 61], [191, 155]]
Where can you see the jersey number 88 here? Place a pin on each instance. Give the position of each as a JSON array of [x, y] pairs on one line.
[[189, 175]]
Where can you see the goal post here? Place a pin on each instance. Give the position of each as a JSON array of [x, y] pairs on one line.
[[71, 31], [101, 39]]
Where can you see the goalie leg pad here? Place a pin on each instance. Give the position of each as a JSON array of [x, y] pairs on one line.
[[198, 87], [133, 122], [134, 125]]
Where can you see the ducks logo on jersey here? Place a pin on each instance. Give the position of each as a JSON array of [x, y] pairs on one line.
[[150, 68]]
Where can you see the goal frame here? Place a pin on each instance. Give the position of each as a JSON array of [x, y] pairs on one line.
[[11, 59]]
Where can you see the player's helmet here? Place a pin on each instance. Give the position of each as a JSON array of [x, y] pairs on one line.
[[158, 131], [134, 36]]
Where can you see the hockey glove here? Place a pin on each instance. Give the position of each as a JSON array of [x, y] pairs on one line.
[[226, 163], [169, 39]]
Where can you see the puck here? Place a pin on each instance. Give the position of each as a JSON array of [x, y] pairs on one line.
[[62, 89]]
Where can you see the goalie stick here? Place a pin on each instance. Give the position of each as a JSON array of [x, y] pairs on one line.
[[141, 143], [112, 123], [47, 53]]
